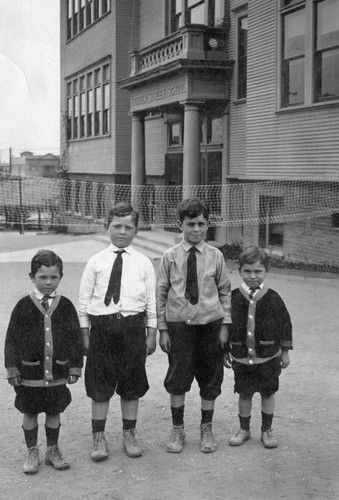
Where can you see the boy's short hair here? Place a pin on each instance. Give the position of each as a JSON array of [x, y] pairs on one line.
[[45, 258], [192, 207], [252, 254], [123, 209]]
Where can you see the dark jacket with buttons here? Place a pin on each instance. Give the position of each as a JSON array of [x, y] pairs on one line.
[[43, 347], [260, 326]]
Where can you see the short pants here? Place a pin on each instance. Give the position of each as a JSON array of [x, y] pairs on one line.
[[116, 358], [195, 352], [262, 378], [35, 400]]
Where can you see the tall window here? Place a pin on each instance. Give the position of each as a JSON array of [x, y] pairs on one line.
[[293, 66], [75, 16], [88, 103], [96, 10], [309, 51], [241, 56], [69, 18], [327, 50], [90, 109], [82, 17]]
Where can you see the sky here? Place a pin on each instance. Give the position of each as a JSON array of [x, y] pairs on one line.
[[29, 77]]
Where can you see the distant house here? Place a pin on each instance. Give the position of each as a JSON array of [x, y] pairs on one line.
[[4, 168], [31, 165]]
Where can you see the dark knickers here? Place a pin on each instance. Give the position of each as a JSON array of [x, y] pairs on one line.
[[35, 400], [116, 358], [262, 378], [195, 352]]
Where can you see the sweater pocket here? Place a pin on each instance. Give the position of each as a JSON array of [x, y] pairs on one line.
[[267, 348], [60, 369], [238, 350], [31, 370]]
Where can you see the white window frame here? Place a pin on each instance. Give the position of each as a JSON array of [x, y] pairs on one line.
[[310, 99], [91, 84]]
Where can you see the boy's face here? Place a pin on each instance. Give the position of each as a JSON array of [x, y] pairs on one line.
[[253, 274], [195, 229], [46, 279], [122, 231]]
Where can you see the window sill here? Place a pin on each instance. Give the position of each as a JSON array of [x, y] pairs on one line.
[[236, 102], [308, 107], [94, 137]]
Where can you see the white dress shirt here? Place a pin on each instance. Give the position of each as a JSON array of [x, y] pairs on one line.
[[137, 292]]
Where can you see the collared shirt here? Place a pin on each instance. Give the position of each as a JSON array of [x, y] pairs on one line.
[[137, 286], [213, 284], [248, 289], [40, 296]]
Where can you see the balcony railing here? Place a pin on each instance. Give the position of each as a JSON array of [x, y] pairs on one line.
[[194, 42]]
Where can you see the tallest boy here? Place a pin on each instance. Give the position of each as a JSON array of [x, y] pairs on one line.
[[193, 306]]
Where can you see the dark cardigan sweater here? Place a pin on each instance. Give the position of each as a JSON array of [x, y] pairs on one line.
[[260, 327], [43, 347]]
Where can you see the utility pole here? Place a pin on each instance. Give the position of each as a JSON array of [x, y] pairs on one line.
[[10, 160]]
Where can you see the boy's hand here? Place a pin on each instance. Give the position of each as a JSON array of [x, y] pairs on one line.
[[285, 359], [72, 379], [165, 341], [227, 360], [14, 381], [223, 336], [151, 341], [85, 339]]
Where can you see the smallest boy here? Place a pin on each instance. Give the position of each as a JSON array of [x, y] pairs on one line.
[[193, 300], [260, 337], [43, 352]]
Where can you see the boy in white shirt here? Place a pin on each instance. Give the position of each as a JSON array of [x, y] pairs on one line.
[[114, 309]]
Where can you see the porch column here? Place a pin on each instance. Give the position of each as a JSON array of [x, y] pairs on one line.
[[137, 159], [191, 163]]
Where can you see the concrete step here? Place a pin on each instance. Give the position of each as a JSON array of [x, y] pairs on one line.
[[152, 243]]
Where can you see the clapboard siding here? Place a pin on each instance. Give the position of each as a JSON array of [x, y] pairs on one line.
[[152, 22], [91, 157], [155, 146]]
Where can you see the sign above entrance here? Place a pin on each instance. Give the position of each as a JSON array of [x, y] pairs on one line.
[[153, 96]]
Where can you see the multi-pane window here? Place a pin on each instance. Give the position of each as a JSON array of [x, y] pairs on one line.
[[82, 13], [241, 56], [327, 50], [88, 103], [309, 51], [181, 12]]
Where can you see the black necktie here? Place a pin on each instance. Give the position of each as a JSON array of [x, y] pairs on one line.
[[114, 285], [252, 291], [44, 302], [192, 292]]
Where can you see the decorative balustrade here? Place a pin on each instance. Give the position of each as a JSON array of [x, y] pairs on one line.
[[190, 42]]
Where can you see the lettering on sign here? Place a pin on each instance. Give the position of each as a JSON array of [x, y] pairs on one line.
[[158, 95]]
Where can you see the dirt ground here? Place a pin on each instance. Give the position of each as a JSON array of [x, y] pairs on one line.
[[304, 466]]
